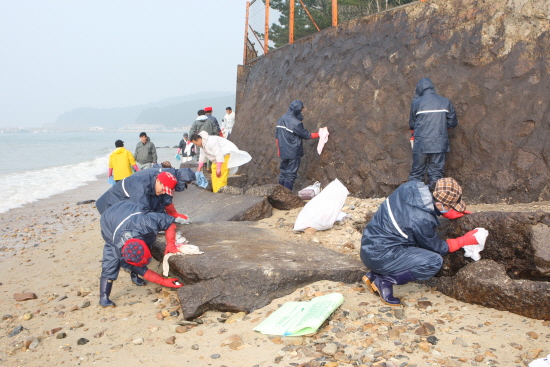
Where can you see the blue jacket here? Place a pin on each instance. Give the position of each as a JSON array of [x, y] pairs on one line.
[[139, 188], [415, 225], [290, 131], [431, 115], [123, 221]]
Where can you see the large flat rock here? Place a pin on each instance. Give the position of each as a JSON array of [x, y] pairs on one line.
[[486, 283], [204, 206], [244, 267]]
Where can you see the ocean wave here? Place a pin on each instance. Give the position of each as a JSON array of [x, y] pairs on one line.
[[19, 189]]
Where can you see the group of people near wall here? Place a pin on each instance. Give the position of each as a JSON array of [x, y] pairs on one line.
[[400, 243]]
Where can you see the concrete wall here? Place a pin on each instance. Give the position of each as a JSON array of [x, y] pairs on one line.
[[490, 58]]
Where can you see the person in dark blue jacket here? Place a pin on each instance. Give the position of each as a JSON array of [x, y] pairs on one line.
[[400, 243], [129, 233], [430, 118], [151, 189], [288, 135]]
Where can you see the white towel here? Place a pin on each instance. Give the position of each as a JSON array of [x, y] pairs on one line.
[[541, 362], [474, 250], [184, 249], [323, 138]]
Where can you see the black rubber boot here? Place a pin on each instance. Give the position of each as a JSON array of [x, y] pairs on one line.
[[289, 185], [369, 278], [137, 280], [105, 286], [383, 285]]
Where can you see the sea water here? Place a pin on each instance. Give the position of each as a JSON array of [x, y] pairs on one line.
[[35, 166]]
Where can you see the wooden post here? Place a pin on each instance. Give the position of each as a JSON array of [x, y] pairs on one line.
[[291, 22], [246, 32], [334, 13], [266, 35]]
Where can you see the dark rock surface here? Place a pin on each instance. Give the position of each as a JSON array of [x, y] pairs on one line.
[[244, 267], [231, 190], [540, 240], [486, 283], [488, 57], [279, 196], [204, 206], [509, 241]]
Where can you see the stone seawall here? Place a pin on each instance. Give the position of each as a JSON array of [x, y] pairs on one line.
[[490, 58]]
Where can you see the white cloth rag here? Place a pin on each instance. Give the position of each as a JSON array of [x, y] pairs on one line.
[[323, 138], [474, 250], [184, 249]]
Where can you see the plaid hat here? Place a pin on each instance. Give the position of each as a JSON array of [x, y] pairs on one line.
[[135, 252], [168, 181], [207, 109], [447, 191]]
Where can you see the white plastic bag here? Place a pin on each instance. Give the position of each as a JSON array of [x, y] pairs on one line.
[[541, 362], [321, 212]]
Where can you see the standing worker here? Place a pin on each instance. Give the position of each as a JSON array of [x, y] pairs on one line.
[[288, 136], [400, 243], [208, 111], [182, 145], [121, 162], [146, 153], [225, 154], [227, 122], [430, 118], [128, 234]]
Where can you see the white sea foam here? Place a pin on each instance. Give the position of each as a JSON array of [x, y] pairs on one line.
[[22, 188]]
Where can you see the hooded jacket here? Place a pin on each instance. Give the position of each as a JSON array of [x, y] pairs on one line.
[[203, 123], [145, 153], [215, 122], [290, 131], [430, 117], [406, 219], [121, 161], [121, 222]]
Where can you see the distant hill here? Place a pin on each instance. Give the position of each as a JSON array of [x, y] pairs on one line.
[[171, 112]]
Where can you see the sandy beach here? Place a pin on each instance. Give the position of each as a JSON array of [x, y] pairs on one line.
[[53, 248]]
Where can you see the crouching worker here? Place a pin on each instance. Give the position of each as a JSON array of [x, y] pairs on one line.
[[225, 155], [400, 243], [128, 234]]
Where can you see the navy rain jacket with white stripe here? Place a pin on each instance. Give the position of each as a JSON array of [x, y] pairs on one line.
[[415, 225], [140, 189], [290, 131], [431, 115]]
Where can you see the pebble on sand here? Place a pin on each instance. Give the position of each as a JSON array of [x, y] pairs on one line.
[[24, 296]]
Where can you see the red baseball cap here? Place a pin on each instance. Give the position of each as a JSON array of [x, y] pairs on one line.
[[207, 109], [168, 181]]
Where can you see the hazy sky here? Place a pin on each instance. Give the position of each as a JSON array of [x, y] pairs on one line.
[[60, 55]]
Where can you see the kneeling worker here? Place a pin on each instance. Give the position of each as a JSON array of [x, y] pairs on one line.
[[224, 153], [400, 243], [128, 235]]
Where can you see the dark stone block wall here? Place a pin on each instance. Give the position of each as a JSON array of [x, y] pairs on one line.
[[490, 58]]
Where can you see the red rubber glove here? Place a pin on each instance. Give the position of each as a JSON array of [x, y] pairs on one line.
[[219, 169], [135, 167], [166, 282], [460, 242], [278, 149], [171, 211], [110, 172], [412, 135], [201, 164], [315, 135], [220, 134], [453, 214], [171, 239]]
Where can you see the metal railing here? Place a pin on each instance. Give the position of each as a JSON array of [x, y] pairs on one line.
[[271, 24]]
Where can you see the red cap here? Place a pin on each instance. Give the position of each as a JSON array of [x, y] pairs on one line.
[[207, 109], [168, 181], [135, 252]]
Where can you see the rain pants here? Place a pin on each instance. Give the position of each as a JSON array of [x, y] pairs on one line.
[[430, 117], [402, 234], [121, 222]]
